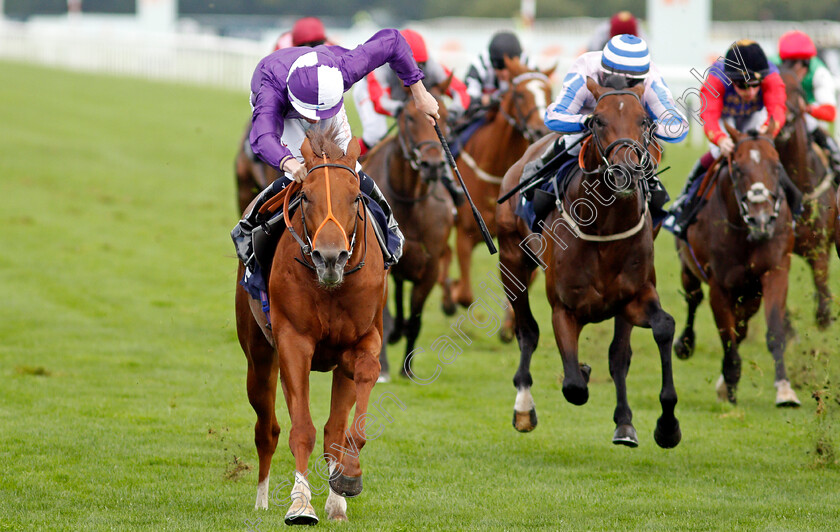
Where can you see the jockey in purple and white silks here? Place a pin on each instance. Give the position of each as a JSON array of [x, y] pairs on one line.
[[296, 89], [624, 62]]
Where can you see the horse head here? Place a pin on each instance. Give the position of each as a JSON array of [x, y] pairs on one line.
[[753, 170], [418, 139], [330, 203], [622, 134], [524, 104]]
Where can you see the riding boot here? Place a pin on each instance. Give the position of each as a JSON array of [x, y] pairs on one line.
[[369, 188], [453, 189], [658, 197], [792, 193], [829, 145], [534, 167], [241, 234], [687, 204]]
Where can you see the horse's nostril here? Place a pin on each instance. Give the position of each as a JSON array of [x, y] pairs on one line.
[[317, 258]]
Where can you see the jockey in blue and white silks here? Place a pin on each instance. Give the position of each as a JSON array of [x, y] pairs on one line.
[[295, 89], [624, 56]]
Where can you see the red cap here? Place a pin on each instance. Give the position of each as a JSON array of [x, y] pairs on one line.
[[417, 44], [623, 22], [796, 45], [307, 30]]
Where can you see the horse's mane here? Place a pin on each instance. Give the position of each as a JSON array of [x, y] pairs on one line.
[[325, 141]]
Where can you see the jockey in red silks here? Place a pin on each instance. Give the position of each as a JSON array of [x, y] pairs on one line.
[[798, 53], [380, 94], [296, 89], [745, 91]]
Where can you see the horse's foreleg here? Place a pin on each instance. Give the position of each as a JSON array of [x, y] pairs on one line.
[[295, 355], [419, 293], [646, 311], [335, 440], [774, 284], [465, 241], [576, 377], [515, 281], [447, 303], [818, 260], [619, 357], [399, 317], [365, 365], [724, 314], [684, 346]]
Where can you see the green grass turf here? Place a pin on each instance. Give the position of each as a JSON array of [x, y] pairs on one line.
[[122, 385]]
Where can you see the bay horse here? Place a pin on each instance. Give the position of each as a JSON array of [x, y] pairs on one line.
[[488, 154], [408, 169], [815, 227], [327, 295], [598, 266], [741, 246], [252, 176]]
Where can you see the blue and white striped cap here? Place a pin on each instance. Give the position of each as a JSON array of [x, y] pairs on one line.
[[626, 55], [315, 86]]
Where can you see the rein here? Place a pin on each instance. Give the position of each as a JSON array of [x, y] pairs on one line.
[[411, 152]]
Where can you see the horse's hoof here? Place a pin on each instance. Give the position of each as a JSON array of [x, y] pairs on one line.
[[724, 392], [823, 320], [668, 435], [383, 377], [684, 346], [506, 334], [301, 513], [625, 435], [785, 396], [525, 421], [576, 395], [586, 371], [395, 336], [346, 486]]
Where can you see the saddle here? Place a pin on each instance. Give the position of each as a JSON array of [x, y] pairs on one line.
[[535, 208]]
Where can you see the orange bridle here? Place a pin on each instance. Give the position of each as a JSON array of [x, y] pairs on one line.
[[330, 215]]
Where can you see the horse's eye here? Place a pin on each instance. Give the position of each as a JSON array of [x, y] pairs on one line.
[[303, 198]]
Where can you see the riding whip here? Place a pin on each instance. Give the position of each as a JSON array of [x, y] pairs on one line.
[[477, 215]]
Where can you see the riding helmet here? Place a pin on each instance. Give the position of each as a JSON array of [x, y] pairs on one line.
[[746, 60], [796, 45], [504, 43], [626, 55]]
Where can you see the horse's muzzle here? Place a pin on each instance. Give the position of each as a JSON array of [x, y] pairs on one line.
[[329, 266], [431, 171], [761, 228]]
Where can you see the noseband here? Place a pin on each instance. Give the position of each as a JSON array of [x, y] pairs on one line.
[[757, 193], [307, 245]]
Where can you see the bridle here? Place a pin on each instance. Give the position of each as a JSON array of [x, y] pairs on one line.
[[413, 151], [757, 193], [519, 120], [306, 244]]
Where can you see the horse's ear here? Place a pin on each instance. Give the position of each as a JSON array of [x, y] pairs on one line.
[[308, 154], [639, 90], [353, 149], [550, 72], [734, 133], [594, 88]]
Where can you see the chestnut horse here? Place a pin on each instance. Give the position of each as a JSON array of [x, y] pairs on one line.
[[599, 266], [815, 228], [741, 246], [327, 295], [408, 169], [251, 176], [488, 154]]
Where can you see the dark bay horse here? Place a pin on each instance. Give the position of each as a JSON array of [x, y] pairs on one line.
[[598, 262], [327, 295], [251, 176], [815, 228], [488, 154], [408, 169], [741, 246]]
